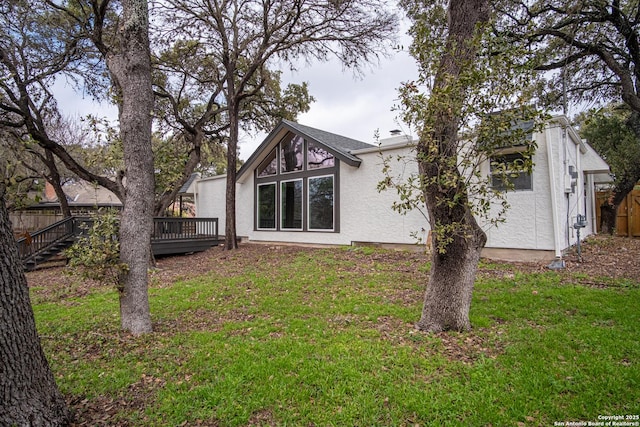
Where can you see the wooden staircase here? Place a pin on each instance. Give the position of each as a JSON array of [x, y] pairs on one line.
[[44, 244], [171, 236]]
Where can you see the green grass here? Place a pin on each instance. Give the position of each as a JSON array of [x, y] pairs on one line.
[[326, 338]]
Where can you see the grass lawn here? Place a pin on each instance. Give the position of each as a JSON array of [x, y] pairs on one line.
[[319, 337]]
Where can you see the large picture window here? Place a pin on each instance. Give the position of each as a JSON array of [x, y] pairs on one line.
[[296, 187], [321, 203], [266, 211], [291, 204]]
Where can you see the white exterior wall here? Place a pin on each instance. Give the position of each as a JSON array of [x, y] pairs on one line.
[[530, 221], [210, 194], [365, 214], [539, 219], [211, 203]]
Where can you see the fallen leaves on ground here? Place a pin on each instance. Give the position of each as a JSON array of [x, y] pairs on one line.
[[604, 261]]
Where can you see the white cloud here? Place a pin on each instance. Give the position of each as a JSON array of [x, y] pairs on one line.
[[74, 104]]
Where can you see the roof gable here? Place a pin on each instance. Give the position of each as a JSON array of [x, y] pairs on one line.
[[340, 145], [187, 189]]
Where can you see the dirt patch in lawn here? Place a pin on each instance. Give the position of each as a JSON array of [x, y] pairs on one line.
[[604, 261]]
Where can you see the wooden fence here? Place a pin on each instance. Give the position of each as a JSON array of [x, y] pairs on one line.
[[628, 219]]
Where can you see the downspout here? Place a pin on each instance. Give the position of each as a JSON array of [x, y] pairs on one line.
[[558, 263], [566, 182], [581, 205], [195, 198], [591, 204]]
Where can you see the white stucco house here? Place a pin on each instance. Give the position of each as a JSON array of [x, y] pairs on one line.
[[308, 186]]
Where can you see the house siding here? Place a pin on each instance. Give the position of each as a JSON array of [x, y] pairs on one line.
[[528, 222], [540, 219], [366, 215]]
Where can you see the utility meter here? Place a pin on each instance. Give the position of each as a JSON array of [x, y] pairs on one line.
[[581, 221]]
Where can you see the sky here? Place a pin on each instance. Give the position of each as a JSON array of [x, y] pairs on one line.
[[346, 104], [350, 105]]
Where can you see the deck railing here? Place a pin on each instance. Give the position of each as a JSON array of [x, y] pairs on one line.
[[165, 230], [184, 228], [32, 244]]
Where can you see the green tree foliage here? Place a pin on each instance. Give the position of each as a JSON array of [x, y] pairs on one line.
[[610, 132], [592, 46], [38, 45], [23, 186], [469, 102], [96, 253]]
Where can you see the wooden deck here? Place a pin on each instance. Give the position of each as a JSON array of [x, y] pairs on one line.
[[184, 235], [171, 236]]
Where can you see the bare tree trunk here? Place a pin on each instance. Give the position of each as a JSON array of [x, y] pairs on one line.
[[608, 216], [28, 392], [131, 68], [56, 183], [230, 237], [457, 237], [448, 296]]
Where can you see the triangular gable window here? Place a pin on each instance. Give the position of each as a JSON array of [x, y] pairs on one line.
[[269, 166], [318, 157], [291, 154], [297, 187]]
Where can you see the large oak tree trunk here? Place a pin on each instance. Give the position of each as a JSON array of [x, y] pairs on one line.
[[28, 392], [230, 235], [131, 68], [457, 238], [450, 288]]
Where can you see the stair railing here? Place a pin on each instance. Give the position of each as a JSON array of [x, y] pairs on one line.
[[32, 245]]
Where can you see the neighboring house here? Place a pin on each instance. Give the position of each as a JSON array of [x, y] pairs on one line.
[[185, 206], [82, 196], [82, 193], [308, 186]]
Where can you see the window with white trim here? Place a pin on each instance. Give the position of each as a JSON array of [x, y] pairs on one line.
[[266, 206], [507, 172], [291, 204], [321, 206]]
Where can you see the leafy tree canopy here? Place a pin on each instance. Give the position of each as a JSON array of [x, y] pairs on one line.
[[592, 47], [609, 131]]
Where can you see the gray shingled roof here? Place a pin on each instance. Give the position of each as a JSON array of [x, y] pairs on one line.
[[335, 142], [184, 190], [342, 146]]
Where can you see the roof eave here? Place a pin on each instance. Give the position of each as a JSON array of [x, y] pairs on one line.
[[272, 139]]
